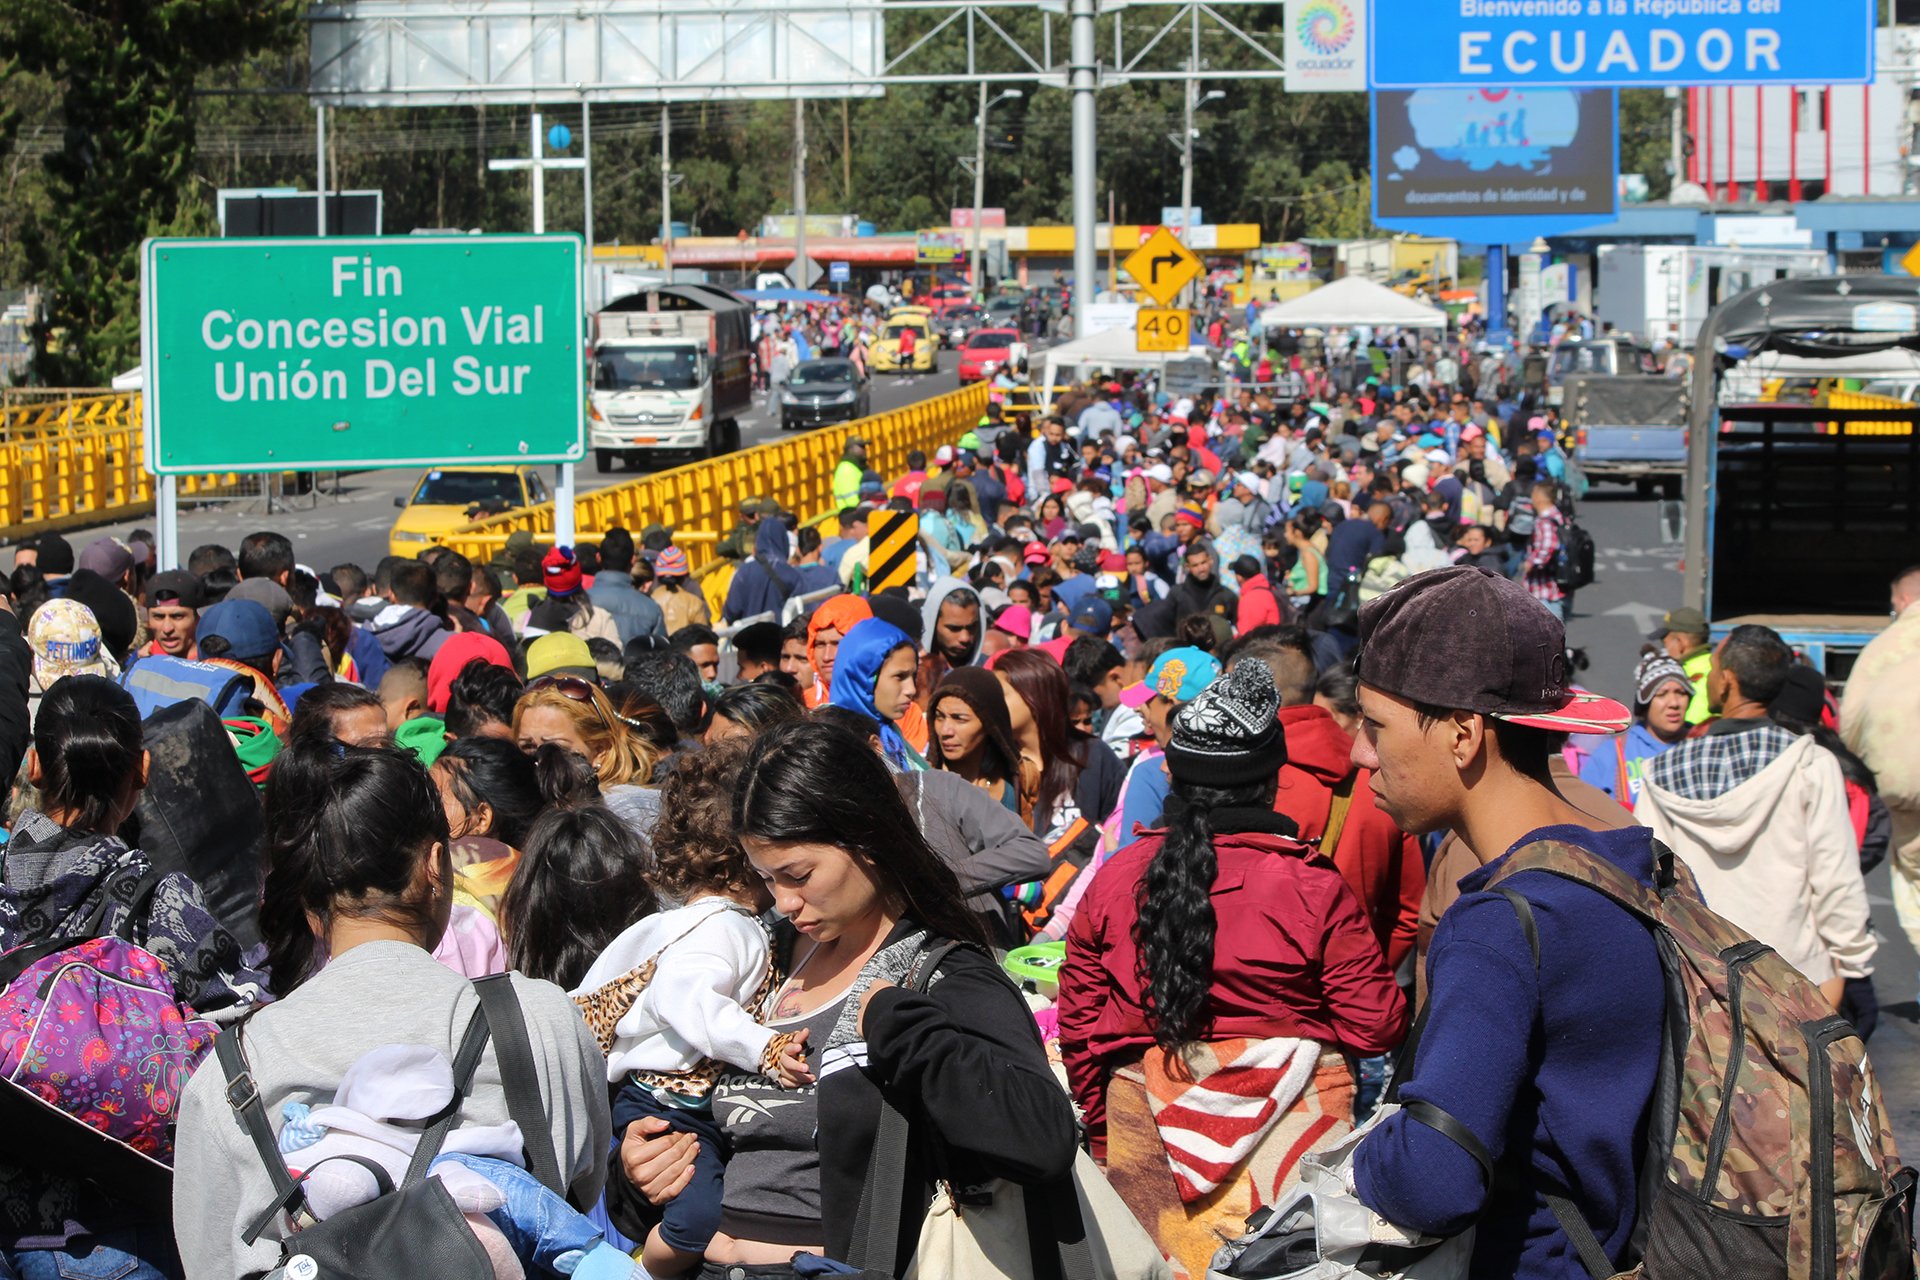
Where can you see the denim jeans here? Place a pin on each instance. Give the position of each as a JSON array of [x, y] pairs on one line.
[[127, 1254], [1373, 1082]]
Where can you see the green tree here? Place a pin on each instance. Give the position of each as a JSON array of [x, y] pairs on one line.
[[125, 73]]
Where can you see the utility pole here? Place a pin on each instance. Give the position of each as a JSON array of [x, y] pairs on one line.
[[979, 188], [799, 193], [980, 176], [1187, 89], [1085, 82], [666, 189]]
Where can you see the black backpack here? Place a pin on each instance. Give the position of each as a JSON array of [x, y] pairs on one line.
[[413, 1230], [1573, 564]]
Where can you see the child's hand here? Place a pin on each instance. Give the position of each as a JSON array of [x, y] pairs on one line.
[[790, 1062]]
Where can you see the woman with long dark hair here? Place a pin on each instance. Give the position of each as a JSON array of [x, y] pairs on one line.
[[1067, 777], [973, 737], [357, 894], [862, 897], [1168, 998], [68, 875], [581, 881]]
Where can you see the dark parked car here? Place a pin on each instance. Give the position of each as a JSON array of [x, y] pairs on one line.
[[820, 393]]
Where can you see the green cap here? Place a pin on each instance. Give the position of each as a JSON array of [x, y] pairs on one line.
[[425, 736], [1688, 622]]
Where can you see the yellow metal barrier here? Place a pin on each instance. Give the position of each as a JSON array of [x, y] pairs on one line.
[[701, 501], [53, 478], [27, 414], [1863, 400]]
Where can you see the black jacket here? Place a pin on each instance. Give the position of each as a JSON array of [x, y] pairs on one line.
[[964, 1063], [16, 664], [1211, 596]]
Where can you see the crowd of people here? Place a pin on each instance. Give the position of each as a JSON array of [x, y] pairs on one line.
[[1196, 703]]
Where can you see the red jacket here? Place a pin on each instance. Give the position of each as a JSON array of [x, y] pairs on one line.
[[1259, 607], [1292, 956], [1380, 862]]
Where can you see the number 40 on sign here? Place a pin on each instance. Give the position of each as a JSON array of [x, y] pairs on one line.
[[1163, 329]]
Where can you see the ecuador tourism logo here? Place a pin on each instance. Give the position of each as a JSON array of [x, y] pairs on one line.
[[1325, 47], [1326, 26]]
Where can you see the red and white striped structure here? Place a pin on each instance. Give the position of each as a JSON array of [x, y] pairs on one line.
[[1775, 142]]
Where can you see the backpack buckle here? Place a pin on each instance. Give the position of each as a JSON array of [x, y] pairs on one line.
[[242, 1092]]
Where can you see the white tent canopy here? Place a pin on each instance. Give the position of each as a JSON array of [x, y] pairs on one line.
[[1110, 349], [1351, 301]]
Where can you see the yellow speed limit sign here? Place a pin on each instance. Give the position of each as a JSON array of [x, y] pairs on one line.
[[1163, 329]]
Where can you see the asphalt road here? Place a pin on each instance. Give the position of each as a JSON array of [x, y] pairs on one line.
[[1637, 578], [351, 526]]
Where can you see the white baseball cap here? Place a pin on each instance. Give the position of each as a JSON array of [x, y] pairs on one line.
[[1160, 471]]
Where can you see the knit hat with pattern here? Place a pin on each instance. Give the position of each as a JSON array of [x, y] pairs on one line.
[[1230, 735]]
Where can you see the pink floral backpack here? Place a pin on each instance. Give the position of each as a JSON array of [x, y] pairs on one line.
[[91, 1026]]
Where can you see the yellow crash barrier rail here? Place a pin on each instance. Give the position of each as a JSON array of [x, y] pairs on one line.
[[52, 481], [1864, 400], [27, 413], [701, 501]]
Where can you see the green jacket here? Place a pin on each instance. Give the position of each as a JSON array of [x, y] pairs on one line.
[[1696, 665], [846, 483]]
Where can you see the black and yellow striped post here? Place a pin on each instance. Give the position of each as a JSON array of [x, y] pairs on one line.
[[892, 538]]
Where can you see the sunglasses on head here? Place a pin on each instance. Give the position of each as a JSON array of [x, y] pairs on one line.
[[575, 689]]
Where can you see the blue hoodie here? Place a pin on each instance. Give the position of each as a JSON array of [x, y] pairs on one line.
[[1551, 1068], [763, 583], [863, 651]]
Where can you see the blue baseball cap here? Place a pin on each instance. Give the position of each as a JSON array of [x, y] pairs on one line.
[[1178, 675], [1092, 615], [245, 625]]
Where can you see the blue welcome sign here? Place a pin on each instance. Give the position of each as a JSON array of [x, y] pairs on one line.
[[1420, 44]]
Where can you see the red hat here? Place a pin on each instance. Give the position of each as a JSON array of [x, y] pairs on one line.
[[453, 657], [1062, 485], [561, 571], [1036, 553]]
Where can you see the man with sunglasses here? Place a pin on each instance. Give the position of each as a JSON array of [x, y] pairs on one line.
[[173, 601]]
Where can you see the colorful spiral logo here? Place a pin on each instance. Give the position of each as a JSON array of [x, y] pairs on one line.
[[1326, 26]]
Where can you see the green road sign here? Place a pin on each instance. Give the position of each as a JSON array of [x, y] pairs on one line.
[[396, 351]]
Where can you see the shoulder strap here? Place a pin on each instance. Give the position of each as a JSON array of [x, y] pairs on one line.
[[1592, 1256], [243, 1096], [876, 1221], [520, 1077], [1622, 792], [1337, 812]]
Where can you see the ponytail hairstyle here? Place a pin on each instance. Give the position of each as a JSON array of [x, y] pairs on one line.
[[582, 878], [87, 739], [1173, 932], [349, 833]]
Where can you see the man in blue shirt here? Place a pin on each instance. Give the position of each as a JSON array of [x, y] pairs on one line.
[[1547, 1063], [1354, 542]]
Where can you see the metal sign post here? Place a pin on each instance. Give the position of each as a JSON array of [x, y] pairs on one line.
[[539, 162]]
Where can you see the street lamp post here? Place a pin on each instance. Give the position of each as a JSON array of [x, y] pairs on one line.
[[1186, 158], [980, 174]]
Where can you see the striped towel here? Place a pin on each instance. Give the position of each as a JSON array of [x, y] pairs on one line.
[[1215, 1102]]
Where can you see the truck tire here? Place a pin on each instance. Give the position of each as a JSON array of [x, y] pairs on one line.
[[730, 433], [1643, 488], [603, 461]]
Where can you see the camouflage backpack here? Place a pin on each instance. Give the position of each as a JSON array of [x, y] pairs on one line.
[[1769, 1154]]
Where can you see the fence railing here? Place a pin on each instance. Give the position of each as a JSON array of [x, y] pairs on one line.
[[68, 462], [701, 501]]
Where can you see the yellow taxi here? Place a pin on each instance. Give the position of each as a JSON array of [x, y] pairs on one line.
[[445, 498], [884, 355]]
